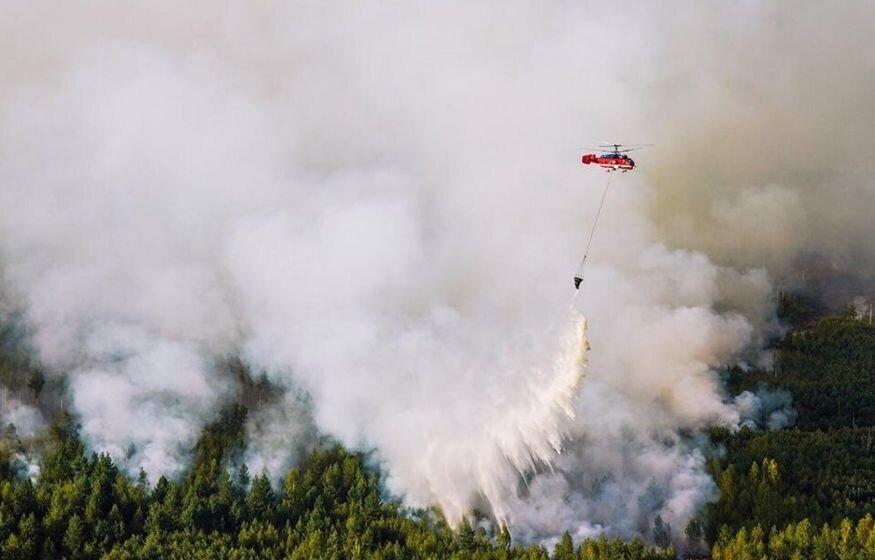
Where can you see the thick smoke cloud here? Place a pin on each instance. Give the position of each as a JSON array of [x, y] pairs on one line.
[[163, 204], [380, 208], [773, 113]]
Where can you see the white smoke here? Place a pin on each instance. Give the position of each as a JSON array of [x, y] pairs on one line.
[[183, 216], [765, 408], [382, 208], [20, 423], [27, 419], [658, 339], [142, 397], [276, 434]]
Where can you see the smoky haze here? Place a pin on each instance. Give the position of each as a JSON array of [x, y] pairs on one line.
[[381, 208], [773, 114]]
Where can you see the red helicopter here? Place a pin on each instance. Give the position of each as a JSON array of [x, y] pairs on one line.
[[615, 159]]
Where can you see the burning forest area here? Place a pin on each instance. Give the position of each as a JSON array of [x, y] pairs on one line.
[[420, 281]]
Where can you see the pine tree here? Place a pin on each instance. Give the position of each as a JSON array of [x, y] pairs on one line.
[[661, 532], [564, 549], [260, 501], [694, 533], [28, 537], [74, 537]]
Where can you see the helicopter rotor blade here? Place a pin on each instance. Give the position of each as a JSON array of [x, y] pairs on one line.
[[625, 145], [610, 149]]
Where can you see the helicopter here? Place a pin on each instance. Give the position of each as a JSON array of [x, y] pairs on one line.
[[613, 159]]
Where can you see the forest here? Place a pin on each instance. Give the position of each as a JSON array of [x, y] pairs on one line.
[[333, 507], [803, 492]]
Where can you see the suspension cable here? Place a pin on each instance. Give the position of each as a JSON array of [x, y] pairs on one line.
[[579, 278]]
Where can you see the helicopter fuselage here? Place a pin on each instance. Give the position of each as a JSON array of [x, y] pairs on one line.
[[610, 161]]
